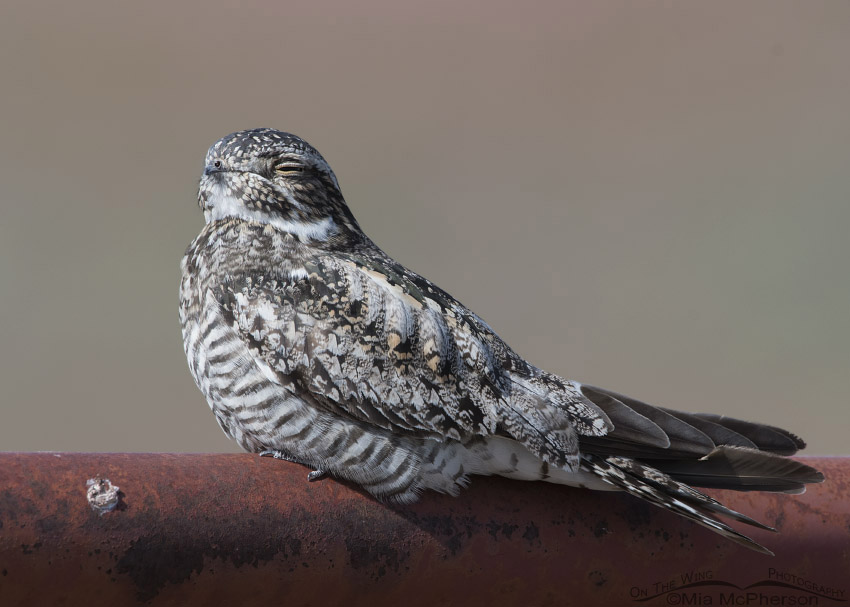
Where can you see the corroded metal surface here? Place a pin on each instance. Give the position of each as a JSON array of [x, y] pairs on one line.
[[238, 529]]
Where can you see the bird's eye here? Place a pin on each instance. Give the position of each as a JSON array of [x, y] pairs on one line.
[[217, 164], [289, 168]]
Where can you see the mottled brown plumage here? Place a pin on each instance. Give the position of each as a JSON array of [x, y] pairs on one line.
[[310, 343]]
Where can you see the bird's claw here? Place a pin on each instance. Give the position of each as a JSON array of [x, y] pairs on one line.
[[317, 475], [278, 454]]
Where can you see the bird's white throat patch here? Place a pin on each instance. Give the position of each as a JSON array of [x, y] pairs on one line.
[[221, 205]]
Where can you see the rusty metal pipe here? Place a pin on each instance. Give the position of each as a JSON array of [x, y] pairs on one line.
[[194, 529]]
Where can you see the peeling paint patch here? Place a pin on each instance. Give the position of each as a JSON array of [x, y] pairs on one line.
[[102, 495]]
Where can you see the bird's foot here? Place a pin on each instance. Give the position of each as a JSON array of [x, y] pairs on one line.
[[317, 475], [278, 454]]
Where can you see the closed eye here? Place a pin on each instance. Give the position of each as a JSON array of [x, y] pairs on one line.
[[289, 168]]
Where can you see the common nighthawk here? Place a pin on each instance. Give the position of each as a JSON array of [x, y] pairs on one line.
[[313, 345]]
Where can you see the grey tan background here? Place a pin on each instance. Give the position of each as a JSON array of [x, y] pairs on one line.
[[650, 196]]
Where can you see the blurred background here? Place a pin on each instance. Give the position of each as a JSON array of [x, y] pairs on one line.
[[649, 196]]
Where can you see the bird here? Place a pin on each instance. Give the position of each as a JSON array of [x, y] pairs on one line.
[[314, 346]]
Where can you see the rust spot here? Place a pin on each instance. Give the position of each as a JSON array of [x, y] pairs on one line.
[[505, 529], [600, 528], [531, 532], [598, 578]]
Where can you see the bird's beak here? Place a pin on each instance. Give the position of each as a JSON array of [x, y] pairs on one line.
[[209, 170]]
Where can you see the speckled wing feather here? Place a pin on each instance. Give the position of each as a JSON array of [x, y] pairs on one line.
[[376, 342]]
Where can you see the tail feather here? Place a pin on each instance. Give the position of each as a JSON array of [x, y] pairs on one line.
[[742, 470], [655, 454], [669, 432], [720, 434], [766, 438], [630, 424], [644, 431], [661, 490]]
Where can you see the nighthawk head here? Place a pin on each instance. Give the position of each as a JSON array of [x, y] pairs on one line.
[[275, 178]]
